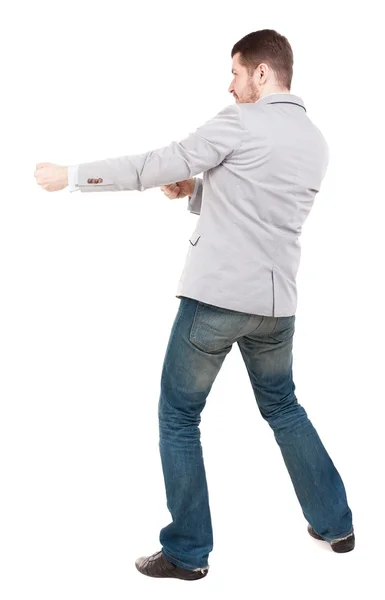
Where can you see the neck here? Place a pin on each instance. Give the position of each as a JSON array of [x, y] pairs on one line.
[[274, 90]]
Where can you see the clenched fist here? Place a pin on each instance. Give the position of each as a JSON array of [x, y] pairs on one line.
[[51, 177], [179, 189]]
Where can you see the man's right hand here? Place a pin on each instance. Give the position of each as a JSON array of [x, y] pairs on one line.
[[179, 189]]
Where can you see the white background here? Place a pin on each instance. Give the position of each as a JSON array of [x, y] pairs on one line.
[[87, 301]]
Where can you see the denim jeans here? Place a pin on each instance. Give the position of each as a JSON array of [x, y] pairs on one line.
[[201, 337]]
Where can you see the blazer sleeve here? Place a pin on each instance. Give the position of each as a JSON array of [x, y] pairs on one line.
[[202, 150], [194, 203]]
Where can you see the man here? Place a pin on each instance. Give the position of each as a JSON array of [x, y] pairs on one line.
[[263, 162]]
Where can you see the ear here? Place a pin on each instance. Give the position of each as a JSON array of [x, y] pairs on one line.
[[262, 71]]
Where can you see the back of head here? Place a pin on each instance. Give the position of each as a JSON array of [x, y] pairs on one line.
[[270, 47]]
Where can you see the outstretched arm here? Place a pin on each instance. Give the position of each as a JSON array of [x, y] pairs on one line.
[[202, 150]]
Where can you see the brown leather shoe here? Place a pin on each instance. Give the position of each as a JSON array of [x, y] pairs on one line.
[[157, 565], [342, 545]]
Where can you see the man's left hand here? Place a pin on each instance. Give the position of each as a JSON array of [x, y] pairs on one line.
[[51, 177]]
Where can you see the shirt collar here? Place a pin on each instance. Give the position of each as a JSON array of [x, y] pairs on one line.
[[281, 97]]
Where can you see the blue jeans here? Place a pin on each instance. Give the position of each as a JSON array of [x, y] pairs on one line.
[[201, 337]]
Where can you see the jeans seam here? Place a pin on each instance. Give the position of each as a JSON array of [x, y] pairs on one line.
[[176, 323]]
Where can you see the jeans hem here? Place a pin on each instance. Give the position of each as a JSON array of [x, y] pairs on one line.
[[180, 563], [340, 537]]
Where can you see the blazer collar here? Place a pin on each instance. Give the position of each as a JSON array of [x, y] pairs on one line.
[[282, 97]]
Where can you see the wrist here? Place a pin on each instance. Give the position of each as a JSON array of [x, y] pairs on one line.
[[65, 175]]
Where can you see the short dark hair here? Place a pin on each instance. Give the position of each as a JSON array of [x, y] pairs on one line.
[[268, 46]]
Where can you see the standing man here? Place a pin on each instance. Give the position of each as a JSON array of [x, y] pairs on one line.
[[263, 162]]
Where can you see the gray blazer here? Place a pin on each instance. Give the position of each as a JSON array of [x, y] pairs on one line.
[[262, 164]]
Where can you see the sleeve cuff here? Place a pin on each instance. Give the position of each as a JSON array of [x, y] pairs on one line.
[[73, 178], [195, 201]]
